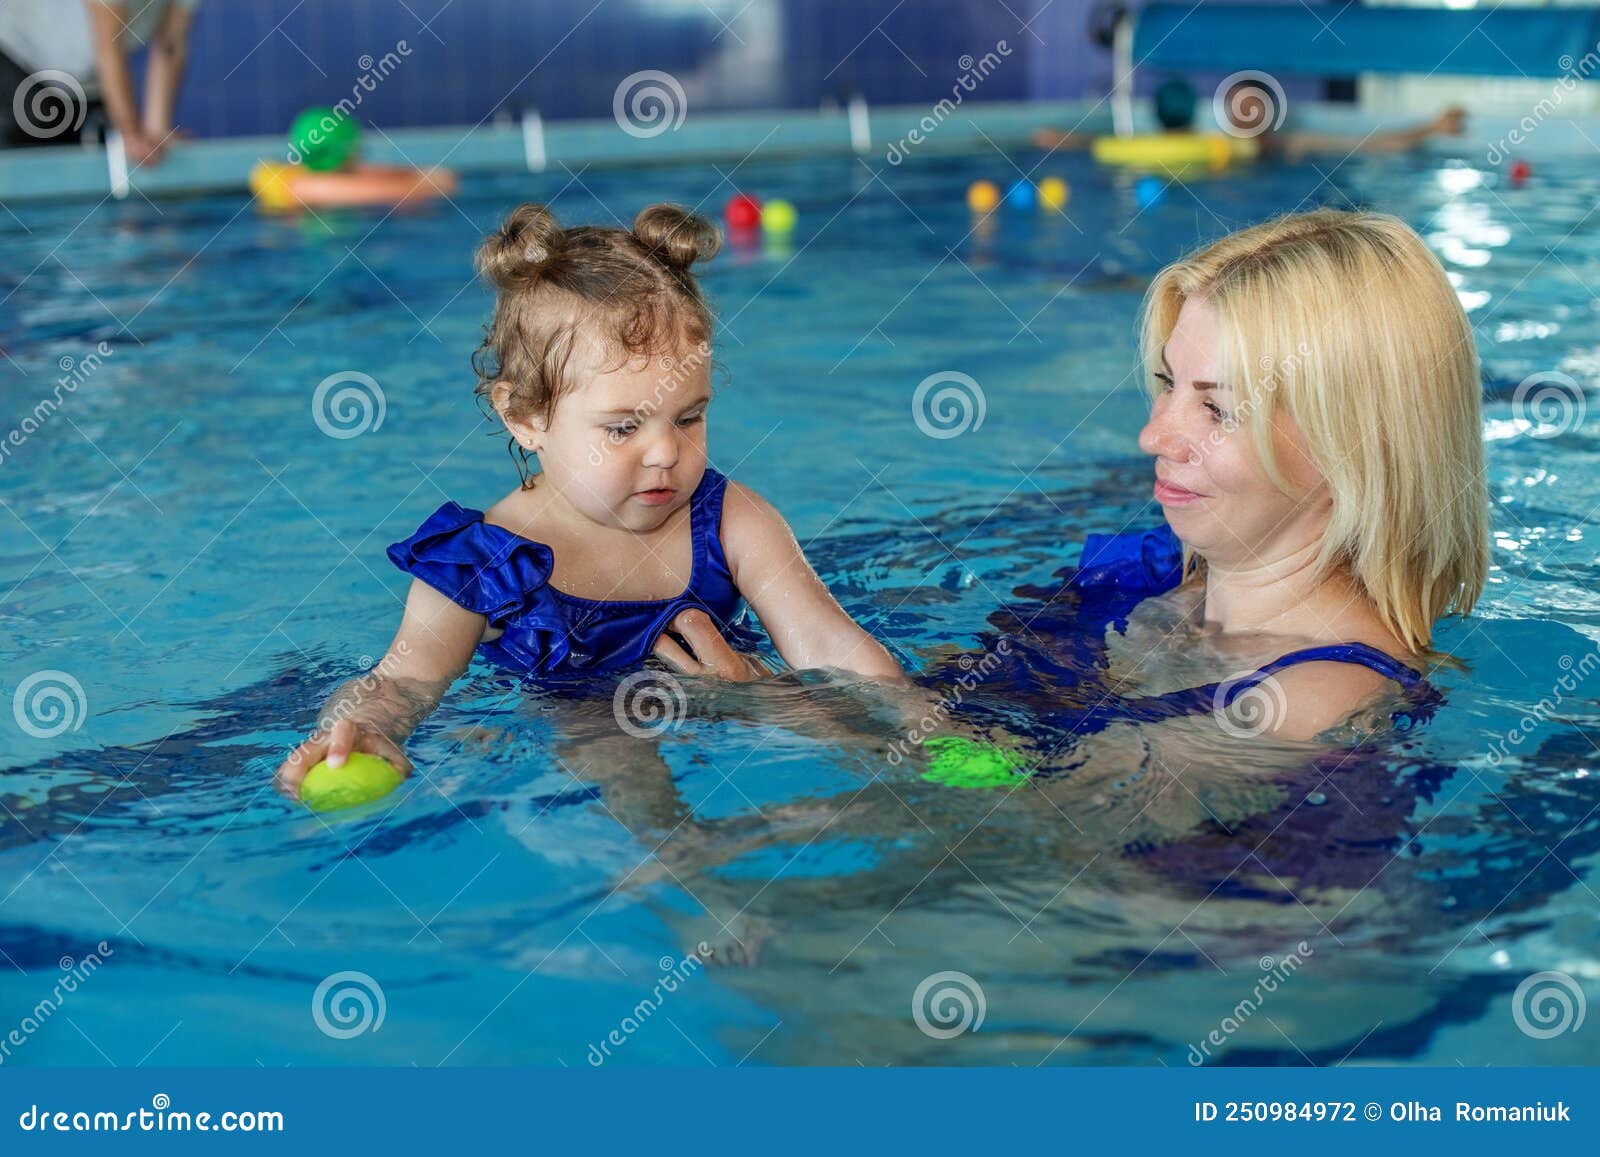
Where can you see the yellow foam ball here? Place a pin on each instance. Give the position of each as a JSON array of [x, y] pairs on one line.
[[983, 196], [1053, 192], [778, 216], [269, 181], [362, 778]]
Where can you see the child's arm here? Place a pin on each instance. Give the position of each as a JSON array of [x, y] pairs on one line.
[[808, 626], [377, 711]]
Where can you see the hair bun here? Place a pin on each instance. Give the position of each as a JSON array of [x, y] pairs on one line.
[[515, 253], [676, 237]]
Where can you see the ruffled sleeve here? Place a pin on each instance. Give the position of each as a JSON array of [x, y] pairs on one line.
[[485, 568], [1133, 563]]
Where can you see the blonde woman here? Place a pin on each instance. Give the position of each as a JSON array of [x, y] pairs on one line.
[[1318, 452], [1315, 430]]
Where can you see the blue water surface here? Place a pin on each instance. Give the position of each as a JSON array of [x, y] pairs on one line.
[[190, 562]]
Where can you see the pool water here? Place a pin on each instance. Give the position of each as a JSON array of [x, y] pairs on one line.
[[191, 561]]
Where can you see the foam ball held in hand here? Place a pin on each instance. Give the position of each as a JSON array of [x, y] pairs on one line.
[[361, 779]]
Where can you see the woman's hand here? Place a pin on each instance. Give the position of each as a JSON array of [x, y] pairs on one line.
[[708, 652], [335, 745]]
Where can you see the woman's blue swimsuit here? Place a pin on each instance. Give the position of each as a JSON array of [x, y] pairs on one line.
[[505, 577], [1344, 816], [1059, 639]]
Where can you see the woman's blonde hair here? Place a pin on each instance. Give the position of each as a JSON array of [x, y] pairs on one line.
[[1347, 322]]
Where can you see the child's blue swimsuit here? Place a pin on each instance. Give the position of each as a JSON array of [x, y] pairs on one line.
[[506, 577]]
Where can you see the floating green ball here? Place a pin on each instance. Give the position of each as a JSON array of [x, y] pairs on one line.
[[362, 778], [778, 216], [323, 140], [962, 762]]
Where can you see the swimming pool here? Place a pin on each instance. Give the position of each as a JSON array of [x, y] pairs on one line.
[[193, 556]]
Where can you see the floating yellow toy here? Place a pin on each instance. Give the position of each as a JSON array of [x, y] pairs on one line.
[[1174, 150], [983, 196]]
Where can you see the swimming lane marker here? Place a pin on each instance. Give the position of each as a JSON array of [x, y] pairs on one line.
[[860, 125], [533, 141], [117, 165]]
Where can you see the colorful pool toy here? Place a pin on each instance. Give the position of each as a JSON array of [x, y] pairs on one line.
[[360, 779], [1180, 150], [284, 188], [1147, 191], [323, 141], [983, 196], [742, 211], [778, 217], [1022, 194], [961, 762], [1054, 193]]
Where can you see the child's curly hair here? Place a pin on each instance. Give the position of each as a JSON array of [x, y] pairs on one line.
[[631, 292]]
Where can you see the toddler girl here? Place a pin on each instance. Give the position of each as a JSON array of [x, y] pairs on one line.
[[598, 361]]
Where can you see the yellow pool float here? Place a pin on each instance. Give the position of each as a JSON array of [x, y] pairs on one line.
[[1174, 150], [281, 188]]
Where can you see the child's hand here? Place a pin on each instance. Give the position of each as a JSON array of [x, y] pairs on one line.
[[708, 653], [346, 736]]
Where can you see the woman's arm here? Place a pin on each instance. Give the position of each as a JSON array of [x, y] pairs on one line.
[[808, 626], [376, 712], [1155, 782]]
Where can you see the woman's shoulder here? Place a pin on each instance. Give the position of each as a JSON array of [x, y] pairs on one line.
[[1326, 683], [1314, 697]]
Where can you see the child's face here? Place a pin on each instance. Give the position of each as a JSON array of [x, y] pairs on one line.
[[627, 448], [1211, 484]]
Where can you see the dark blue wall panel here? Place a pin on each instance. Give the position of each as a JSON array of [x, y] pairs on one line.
[[254, 63]]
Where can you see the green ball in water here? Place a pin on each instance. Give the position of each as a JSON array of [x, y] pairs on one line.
[[778, 217], [362, 778], [961, 762], [323, 140]]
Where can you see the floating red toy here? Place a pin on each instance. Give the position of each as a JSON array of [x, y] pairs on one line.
[[742, 211]]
